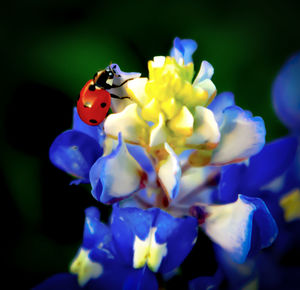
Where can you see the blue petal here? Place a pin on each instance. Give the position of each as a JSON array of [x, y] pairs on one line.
[[126, 224], [262, 168], [142, 279], [267, 228], [60, 281], [268, 164], [219, 104], [110, 266], [173, 237], [292, 176], [183, 49], [180, 234], [140, 154], [207, 282], [75, 152], [107, 281], [177, 50], [228, 188], [286, 93], [190, 47], [238, 275], [95, 132], [289, 180], [95, 232]]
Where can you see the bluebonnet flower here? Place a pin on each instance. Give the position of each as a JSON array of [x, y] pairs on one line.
[[177, 146], [135, 246], [273, 176], [171, 115], [239, 136]]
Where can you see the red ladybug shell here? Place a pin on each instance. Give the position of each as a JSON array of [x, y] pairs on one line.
[[93, 104]]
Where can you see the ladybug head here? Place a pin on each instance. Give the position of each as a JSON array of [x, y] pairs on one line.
[[105, 78], [113, 77]]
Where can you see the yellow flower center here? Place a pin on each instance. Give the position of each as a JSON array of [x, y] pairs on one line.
[[169, 88]]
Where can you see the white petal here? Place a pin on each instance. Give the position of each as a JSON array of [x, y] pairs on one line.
[[169, 173], [208, 86], [241, 137], [230, 226], [136, 90], [206, 72], [206, 129], [159, 132], [192, 179], [158, 61], [85, 268], [119, 173], [133, 128], [182, 123], [148, 251]]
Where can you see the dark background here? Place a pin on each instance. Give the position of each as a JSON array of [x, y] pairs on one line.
[[51, 48]]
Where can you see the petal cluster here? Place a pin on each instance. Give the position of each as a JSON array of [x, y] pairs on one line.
[[170, 100], [176, 106], [136, 244]]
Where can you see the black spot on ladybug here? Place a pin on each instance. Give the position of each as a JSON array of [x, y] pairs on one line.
[[103, 105], [93, 121], [92, 87]]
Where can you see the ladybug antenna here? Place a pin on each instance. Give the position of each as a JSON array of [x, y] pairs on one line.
[[111, 69]]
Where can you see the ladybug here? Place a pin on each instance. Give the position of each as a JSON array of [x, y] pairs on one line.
[[95, 97], [93, 104]]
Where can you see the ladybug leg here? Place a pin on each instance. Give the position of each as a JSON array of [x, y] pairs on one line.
[[116, 97], [117, 86]]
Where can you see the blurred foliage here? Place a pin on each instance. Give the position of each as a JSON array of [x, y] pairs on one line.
[[51, 48]]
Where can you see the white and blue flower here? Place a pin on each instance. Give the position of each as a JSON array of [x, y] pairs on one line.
[[136, 245]]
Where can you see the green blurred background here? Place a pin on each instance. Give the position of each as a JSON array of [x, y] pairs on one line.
[[51, 48]]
